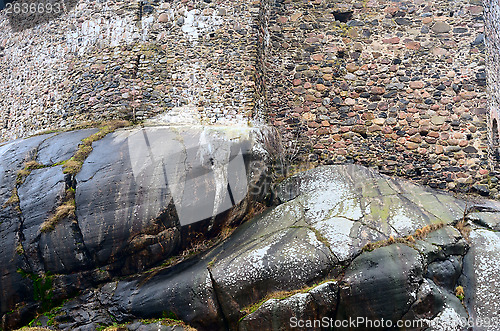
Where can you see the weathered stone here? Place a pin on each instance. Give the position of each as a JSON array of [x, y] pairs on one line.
[[381, 284], [441, 27]]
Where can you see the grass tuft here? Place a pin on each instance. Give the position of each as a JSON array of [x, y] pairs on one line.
[[280, 295], [459, 293], [74, 165], [420, 234], [463, 228], [67, 209]]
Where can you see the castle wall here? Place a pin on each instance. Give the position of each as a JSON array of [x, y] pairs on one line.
[[399, 85], [194, 60], [492, 19]]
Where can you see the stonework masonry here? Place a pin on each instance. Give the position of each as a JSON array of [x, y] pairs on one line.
[[492, 17], [401, 85]]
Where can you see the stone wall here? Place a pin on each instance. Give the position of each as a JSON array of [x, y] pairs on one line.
[[492, 17], [400, 85], [395, 84], [121, 59]]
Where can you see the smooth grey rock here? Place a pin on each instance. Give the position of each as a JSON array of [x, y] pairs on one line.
[[436, 309], [449, 240], [285, 260], [154, 181], [490, 220], [13, 287], [40, 194], [445, 273], [185, 290], [381, 284], [318, 303], [441, 27], [62, 146], [481, 273], [351, 206]]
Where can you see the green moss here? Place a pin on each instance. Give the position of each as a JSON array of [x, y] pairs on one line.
[[42, 287], [75, 163], [460, 293]]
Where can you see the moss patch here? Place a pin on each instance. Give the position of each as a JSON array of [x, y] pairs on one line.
[[66, 209], [280, 295], [74, 165], [21, 176], [459, 293]]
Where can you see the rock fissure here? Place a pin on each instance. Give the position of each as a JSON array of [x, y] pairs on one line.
[[217, 298]]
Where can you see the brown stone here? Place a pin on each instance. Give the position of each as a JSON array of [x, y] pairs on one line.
[[416, 138], [417, 85], [320, 87], [295, 16], [411, 146], [318, 57], [351, 67], [413, 45], [394, 40], [377, 90], [327, 77], [322, 131], [427, 20], [163, 18]]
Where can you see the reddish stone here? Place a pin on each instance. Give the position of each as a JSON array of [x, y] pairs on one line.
[[323, 131], [320, 87], [427, 20], [411, 146], [307, 85], [282, 19], [413, 45], [318, 57], [394, 40], [310, 97], [417, 85], [416, 138], [298, 90], [367, 116], [297, 82], [483, 172], [377, 90]]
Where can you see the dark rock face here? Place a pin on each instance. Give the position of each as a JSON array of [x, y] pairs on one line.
[[381, 284], [266, 274], [317, 304], [13, 288], [142, 196]]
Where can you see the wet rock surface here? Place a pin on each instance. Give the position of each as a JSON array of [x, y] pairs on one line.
[[301, 259], [142, 195]]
